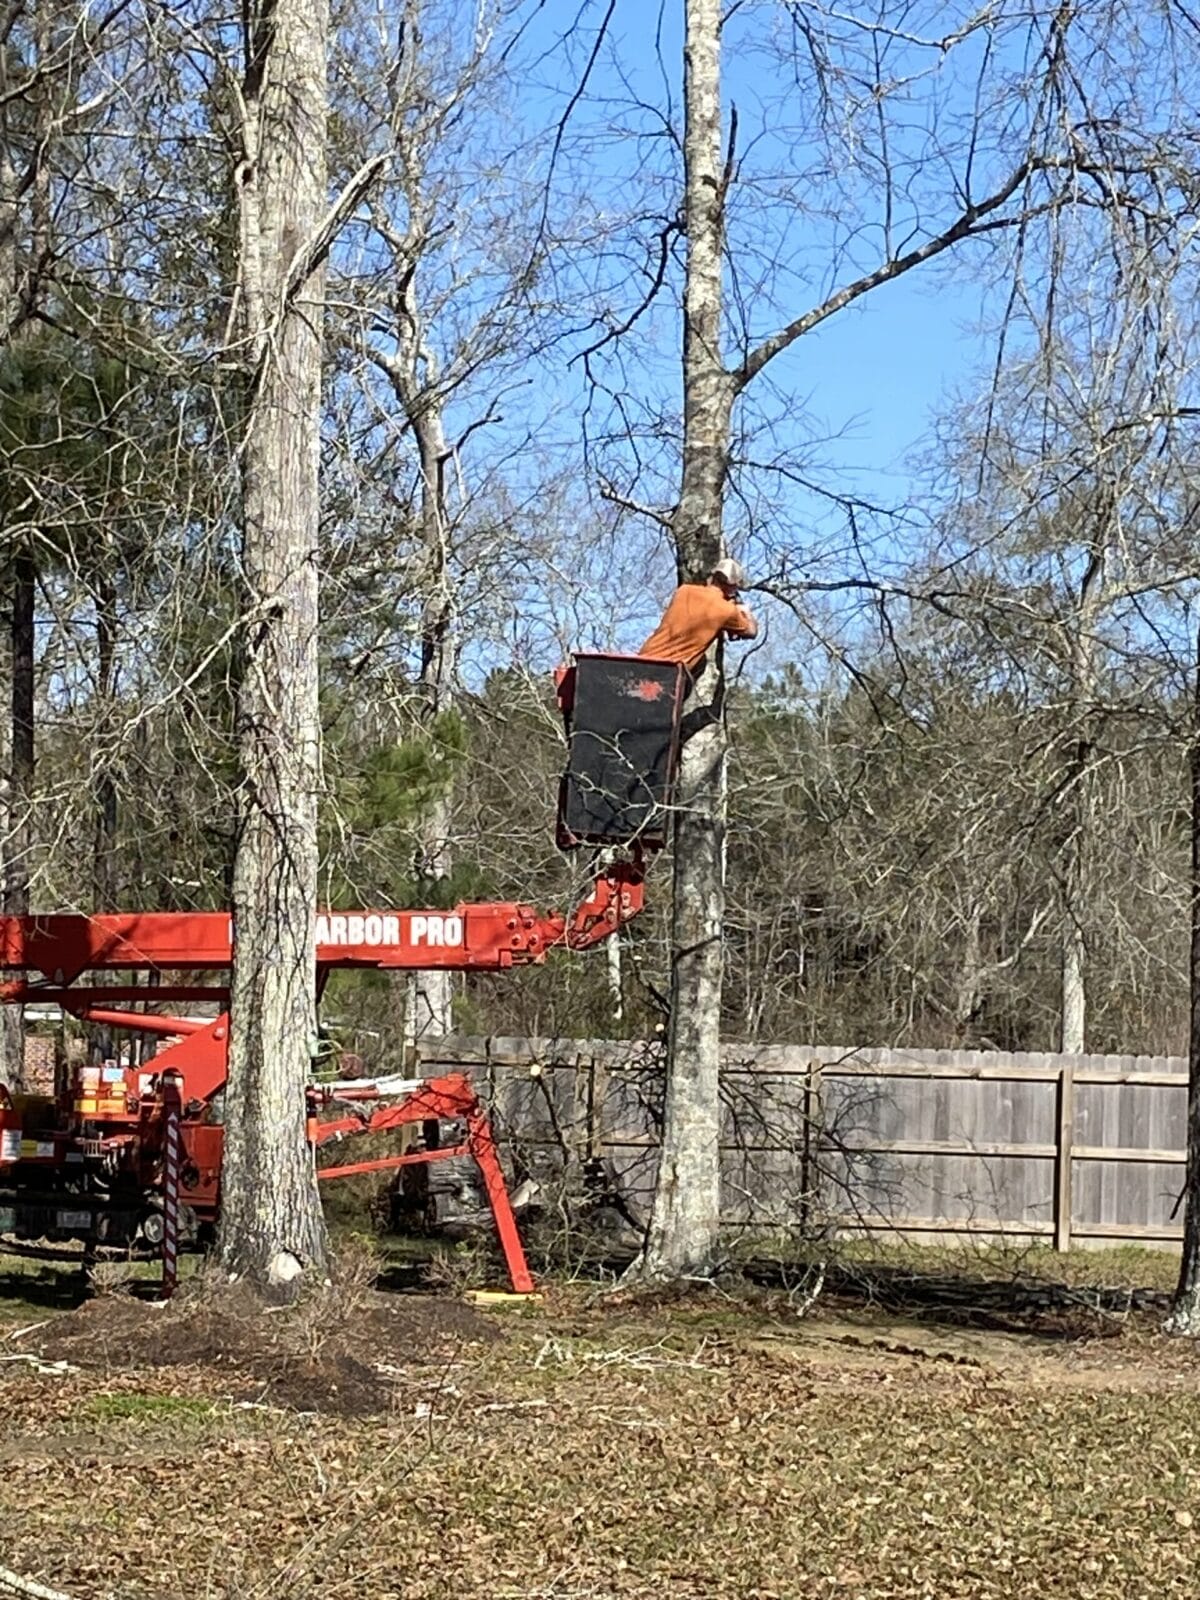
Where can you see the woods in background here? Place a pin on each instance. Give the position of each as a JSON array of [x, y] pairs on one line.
[[538, 303]]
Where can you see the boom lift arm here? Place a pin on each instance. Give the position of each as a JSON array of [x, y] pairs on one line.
[[487, 937]]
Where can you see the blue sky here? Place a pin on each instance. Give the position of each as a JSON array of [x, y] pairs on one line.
[[851, 406], [875, 375], [871, 382]]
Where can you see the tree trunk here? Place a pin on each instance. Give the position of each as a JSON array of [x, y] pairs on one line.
[[432, 1009], [616, 987], [1185, 1311], [682, 1239], [104, 838], [11, 1026], [970, 971], [432, 999], [21, 753], [11, 1022], [24, 291], [272, 1228], [1073, 1030], [9, 212]]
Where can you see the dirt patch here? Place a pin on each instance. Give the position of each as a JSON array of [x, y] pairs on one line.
[[332, 1353], [1127, 1361]]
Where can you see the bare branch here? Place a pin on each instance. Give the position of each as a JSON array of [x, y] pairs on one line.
[[974, 219]]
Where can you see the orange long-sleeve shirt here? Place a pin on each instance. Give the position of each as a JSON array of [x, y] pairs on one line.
[[698, 612]]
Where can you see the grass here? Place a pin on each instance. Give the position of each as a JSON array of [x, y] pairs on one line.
[[149, 1408], [1127, 1265], [605, 1448]]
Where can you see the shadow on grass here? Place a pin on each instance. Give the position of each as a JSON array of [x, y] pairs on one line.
[[48, 1288], [1032, 1306], [403, 1277], [59, 1280]]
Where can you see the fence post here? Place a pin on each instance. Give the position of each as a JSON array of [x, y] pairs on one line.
[[814, 1128], [1063, 1198], [597, 1088], [172, 1097]]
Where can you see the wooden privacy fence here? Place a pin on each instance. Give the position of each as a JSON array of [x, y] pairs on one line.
[[1068, 1149]]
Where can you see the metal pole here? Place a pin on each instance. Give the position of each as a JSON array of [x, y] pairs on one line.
[[172, 1094]]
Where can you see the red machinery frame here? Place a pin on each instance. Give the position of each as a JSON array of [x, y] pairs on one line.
[[152, 1131]]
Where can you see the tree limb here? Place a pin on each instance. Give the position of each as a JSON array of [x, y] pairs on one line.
[[29, 1586], [343, 208], [963, 227], [659, 514]]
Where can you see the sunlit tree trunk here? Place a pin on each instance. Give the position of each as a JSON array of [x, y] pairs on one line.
[[1073, 1030], [104, 840], [432, 991], [682, 1239], [1185, 1312], [11, 1029], [272, 1229]]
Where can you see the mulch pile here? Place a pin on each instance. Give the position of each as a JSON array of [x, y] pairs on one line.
[[333, 1352]]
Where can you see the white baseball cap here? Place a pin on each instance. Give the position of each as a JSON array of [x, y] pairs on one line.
[[732, 571]]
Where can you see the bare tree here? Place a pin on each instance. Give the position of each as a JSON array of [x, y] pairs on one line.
[[443, 289], [410, 220], [272, 1229], [687, 1200], [852, 65]]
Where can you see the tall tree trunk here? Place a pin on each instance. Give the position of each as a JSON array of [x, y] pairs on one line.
[[682, 1238], [104, 837], [1079, 787], [432, 991], [11, 1027], [272, 1228], [12, 1030], [1185, 1312], [22, 292], [9, 211], [21, 753]]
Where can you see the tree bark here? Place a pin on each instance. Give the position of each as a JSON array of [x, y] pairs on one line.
[[616, 986], [1073, 1029], [272, 1228], [104, 838], [1185, 1311], [970, 972], [24, 291], [1073, 1022], [21, 752], [432, 996], [12, 1029], [683, 1233]]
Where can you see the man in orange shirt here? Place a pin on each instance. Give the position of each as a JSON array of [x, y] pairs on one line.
[[698, 612]]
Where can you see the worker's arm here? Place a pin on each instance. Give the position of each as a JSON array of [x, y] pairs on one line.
[[741, 624]]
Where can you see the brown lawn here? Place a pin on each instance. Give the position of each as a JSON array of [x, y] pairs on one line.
[[595, 1448]]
